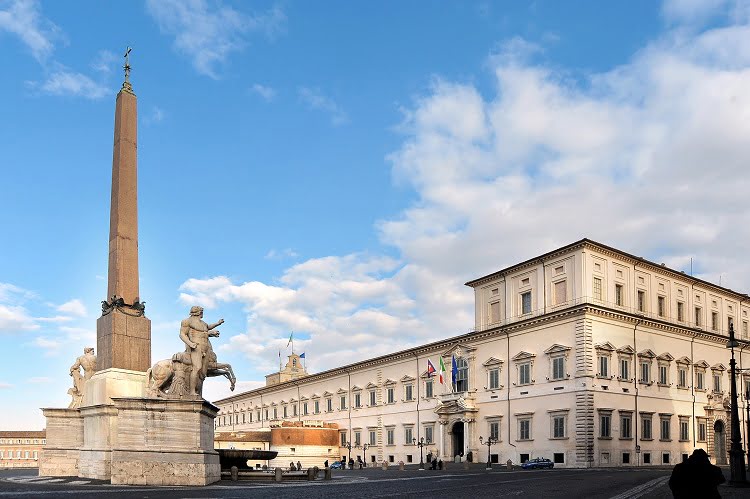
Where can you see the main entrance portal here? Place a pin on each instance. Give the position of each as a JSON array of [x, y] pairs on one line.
[[720, 440], [458, 438]]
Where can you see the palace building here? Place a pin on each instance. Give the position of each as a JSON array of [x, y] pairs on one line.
[[585, 355], [20, 449]]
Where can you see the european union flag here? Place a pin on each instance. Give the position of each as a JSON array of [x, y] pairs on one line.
[[302, 355]]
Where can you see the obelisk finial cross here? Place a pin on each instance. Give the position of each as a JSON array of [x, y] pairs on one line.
[[126, 84]]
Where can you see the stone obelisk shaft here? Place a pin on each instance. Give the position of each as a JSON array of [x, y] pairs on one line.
[[123, 217], [123, 333]]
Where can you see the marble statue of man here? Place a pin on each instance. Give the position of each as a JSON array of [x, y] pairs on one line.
[[195, 334], [87, 362]]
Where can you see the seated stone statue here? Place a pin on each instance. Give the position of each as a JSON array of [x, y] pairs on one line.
[[87, 362]]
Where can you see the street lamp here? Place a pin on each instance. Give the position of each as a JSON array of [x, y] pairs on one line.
[[489, 443], [349, 446], [736, 454], [364, 455], [421, 445]]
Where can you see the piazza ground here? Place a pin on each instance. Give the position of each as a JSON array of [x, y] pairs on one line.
[[455, 483]]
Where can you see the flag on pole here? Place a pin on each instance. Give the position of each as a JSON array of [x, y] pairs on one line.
[[454, 369], [290, 339], [302, 355], [442, 371], [430, 368]]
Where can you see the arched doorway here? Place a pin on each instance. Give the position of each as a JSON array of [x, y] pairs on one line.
[[458, 438], [720, 442]]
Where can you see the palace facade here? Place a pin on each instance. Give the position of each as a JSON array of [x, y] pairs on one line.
[[586, 355], [20, 449]]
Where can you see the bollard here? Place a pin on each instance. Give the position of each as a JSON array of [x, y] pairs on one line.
[[327, 475], [277, 476], [235, 473], [401, 466], [310, 474], [509, 464], [316, 470], [385, 465]]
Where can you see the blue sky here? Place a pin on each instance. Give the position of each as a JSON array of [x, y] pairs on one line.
[[341, 169]]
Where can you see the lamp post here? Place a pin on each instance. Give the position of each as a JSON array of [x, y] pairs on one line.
[[421, 445], [364, 455], [736, 454], [489, 443], [349, 446]]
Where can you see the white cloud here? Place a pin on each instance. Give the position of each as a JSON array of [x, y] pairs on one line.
[[73, 307], [281, 254], [38, 380], [156, 115], [208, 33], [63, 81], [267, 93], [105, 61], [23, 19], [5, 386], [316, 101], [15, 318]]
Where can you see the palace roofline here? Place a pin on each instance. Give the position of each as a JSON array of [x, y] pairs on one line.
[[589, 242]]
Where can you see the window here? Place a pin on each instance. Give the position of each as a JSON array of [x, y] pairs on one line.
[[524, 429], [645, 371], [317, 406], [558, 426], [428, 434], [357, 400], [624, 369], [275, 413], [304, 408], [714, 321], [641, 301], [603, 366], [342, 402], [684, 430], [646, 458], [428, 388], [389, 432], [560, 292], [626, 458], [698, 321], [730, 323], [744, 330], [373, 398], [409, 392], [493, 379], [524, 373], [680, 311], [605, 425], [558, 368], [243, 418], [462, 377], [259, 418], [663, 374], [665, 427], [717, 382], [342, 436], [626, 425], [661, 306], [699, 380], [284, 411], [357, 438], [373, 437], [329, 405], [597, 288], [526, 302], [494, 312], [619, 299], [408, 435], [701, 430], [494, 429], [646, 427], [390, 395]]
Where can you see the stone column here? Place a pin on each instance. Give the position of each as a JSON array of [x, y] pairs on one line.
[[466, 437]]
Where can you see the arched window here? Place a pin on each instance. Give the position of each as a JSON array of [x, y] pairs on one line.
[[462, 377]]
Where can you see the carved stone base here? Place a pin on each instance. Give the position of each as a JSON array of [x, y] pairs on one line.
[[59, 457], [164, 442]]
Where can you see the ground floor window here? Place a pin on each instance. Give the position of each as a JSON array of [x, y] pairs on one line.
[[408, 458], [665, 458], [646, 458], [494, 458], [626, 458], [558, 457], [390, 458], [524, 458]]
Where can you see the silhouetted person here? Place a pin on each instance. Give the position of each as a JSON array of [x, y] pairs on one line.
[[299, 465], [326, 463], [696, 478]]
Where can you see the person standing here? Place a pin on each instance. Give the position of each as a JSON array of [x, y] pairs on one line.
[[696, 477]]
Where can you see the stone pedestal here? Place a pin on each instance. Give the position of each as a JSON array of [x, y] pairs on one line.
[[164, 442], [59, 457], [123, 341]]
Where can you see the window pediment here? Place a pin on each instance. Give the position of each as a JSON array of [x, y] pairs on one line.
[[718, 367], [606, 346], [303, 398], [371, 385], [407, 379], [315, 396], [282, 402], [292, 400], [425, 375], [521, 356], [327, 393], [665, 357], [355, 388], [340, 391], [557, 348], [649, 354], [701, 364], [626, 350], [389, 382], [492, 362], [459, 350], [683, 360]]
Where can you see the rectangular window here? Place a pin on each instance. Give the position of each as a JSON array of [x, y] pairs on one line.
[[495, 430], [605, 425], [494, 378], [561, 295], [661, 306], [329, 405], [524, 429], [526, 302], [665, 427], [373, 437], [625, 369], [285, 411], [603, 366], [373, 398], [304, 409], [626, 426], [317, 406], [646, 458], [684, 430], [646, 427], [663, 375], [626, 458], [357, 399], [744, 330], [714, 321], [391, 395], [717, 382], [619, 299], [294, 409], [428, 388], [524, 374], [259, 419], [597, 288], [645, 372], [641, 301], [275, 414], [682, 377], [409, 392], [428, 434], [558, 427], [408, 435], [558, 368], [699, 381], [357, 438], [702, 431], [494, 312], [342, 402], [389, 436], [342, 437], [698, 321], [680, 311]]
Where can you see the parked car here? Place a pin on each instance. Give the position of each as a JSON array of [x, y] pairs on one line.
[[537, 463], [336, 465]]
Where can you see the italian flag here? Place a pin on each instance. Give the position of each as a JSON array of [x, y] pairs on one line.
[[442, 371]]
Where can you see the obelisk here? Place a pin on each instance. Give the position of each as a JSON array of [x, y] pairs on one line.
[[123, 333]]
